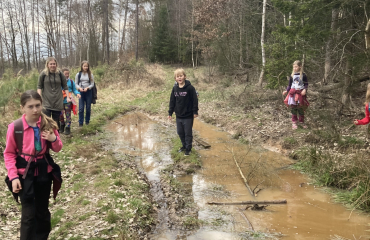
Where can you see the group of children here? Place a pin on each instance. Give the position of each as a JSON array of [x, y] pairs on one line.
[[31, 170], [56, 89]]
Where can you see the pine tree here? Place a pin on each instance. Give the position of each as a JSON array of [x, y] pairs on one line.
[[163, 45]]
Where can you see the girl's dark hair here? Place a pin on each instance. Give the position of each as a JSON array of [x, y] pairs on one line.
[[47, 123], [88, 70]]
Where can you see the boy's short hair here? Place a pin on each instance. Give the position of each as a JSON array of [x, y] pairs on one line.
[[65, 69], [179, 71]]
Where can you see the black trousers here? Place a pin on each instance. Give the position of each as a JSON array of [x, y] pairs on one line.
[[35, 220], [185, 131], [55, 115]]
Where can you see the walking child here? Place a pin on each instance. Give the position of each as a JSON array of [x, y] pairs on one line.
[[68, 105], [31, 170], [184, 102], [50, 81], [84, 83], [366, 119], [297, 98]]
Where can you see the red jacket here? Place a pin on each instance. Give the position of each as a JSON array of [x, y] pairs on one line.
[[366, 119], [11, 149]]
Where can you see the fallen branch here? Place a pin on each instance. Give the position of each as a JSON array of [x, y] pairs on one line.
[[241, 173], [201, 142], [118, 123], [256, 187], [249, 202], [246, 219]]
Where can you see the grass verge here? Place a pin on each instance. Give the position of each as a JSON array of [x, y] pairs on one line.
[[349, 179]]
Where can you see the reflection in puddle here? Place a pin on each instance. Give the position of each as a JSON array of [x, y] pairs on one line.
[[309, 214]]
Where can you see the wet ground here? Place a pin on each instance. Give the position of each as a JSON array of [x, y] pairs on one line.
[[308, 214]]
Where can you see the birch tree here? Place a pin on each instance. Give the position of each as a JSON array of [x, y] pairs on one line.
[[263, 44]]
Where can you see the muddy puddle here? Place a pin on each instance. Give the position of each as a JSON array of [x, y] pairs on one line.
[[309, 213]]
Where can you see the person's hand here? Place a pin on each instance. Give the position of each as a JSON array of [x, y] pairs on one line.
[[80, 89], [285, 92], [16, 185], [170, 118], [355, 122], [195, 115], [78, 95], [303, 92], [69, 99], [49, 136]]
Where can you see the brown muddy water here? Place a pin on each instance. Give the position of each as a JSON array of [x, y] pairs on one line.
[[309, 213]]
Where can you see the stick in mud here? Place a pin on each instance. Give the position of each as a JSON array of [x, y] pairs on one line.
[[246, 219], [284, 201], [241, 173]]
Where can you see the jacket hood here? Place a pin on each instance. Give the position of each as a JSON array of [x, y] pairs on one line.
[[187, 83]]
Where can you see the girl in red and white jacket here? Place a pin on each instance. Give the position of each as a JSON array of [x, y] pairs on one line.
[[366, 119], [31, 171]]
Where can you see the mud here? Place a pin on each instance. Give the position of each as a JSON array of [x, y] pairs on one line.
[[309, 214]]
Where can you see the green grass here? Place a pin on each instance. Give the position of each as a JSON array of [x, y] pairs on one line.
[[193, 159], [56, 217], [348, 176], [112, 217], [192, 222]]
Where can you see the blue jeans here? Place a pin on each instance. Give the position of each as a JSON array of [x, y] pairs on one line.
[[86, 98]]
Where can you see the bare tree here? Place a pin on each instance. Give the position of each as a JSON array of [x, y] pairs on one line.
[[263, 45]]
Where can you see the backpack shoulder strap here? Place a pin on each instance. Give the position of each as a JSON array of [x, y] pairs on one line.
[[73, 85], [18, 134], [79, 77], [60, 75]]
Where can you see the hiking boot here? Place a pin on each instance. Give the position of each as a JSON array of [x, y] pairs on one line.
[[68, 131], [181, 149], [61, 129], [187, 152], [80, 125]]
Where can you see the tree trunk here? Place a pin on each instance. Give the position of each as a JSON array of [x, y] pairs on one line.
[[328, 63], [192, 33], [123, 42], [4, 36], [367, 35], [38, 32], [13, 47], [346, 88], [107, 28], [137, 31], [263, 44], [1, 55], [25, 27]]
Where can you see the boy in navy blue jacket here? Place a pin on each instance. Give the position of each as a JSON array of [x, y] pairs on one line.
[[184, 102]]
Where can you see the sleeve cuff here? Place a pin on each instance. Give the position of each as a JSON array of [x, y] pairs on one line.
[[14, 179], [56, 138]]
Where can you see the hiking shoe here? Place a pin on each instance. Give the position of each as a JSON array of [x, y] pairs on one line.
[[68, 131], [294, 126], [80, 125], [61, 129], [187, 152], [181, 149]]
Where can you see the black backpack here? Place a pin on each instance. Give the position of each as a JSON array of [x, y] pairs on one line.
[[94, 89]]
